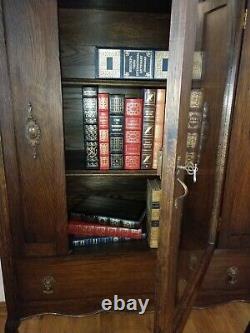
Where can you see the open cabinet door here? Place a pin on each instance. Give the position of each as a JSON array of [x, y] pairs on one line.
[[204, 35]]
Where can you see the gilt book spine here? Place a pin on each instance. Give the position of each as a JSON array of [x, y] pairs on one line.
[[90, 229], [90, 127], [116, 120], [153, 211], [159, 125], [133, 131], [194, 126], [103, 127], [148, 128]]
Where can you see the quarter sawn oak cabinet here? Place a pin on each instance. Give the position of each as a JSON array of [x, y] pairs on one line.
[[47, 55]]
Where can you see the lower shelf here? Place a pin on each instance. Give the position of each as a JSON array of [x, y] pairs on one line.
[[87, 277]]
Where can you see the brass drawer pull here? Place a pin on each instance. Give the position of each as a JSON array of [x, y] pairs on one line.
[[232, 275], [48, 284], [32, 131]]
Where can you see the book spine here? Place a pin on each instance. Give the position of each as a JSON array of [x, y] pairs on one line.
[[105, 220], [116, 108], [82, 242], [88, 229], [153, 212], [103, 129], [148, 128], [133, 132], [159, 125], [194, 126], [90, 127]]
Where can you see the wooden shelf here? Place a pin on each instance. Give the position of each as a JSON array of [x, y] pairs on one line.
[[142, 173], [114, 83]]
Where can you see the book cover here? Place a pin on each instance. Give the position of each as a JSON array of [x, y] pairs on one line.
[[148, 128], [161, 65], [116, 135], [159, 125], [138, 64], [153, 211], [133, 130], [103, 128], [90, 127], [109, 211], [90, 229], [123, 63], [108, 63]]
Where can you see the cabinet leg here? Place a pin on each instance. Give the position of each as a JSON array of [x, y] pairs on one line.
[[11, 325]]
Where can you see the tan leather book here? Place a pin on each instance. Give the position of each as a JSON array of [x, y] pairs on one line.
[[159, 124]]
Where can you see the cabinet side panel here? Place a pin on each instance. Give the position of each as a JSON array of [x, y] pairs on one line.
[[236, 210], [33, 52]]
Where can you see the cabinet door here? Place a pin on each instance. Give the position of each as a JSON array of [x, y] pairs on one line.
[[235, 231], [36, 159], [190, 210]]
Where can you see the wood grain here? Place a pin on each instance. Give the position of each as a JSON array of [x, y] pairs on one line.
[[236, 208], [32, 34], [229, 318]]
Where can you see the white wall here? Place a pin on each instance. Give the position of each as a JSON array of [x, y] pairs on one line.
[[2, 298]]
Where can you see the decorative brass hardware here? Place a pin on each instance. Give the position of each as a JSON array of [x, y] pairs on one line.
[[48, 284], [184, 194], [232, 275], [32, 131], [190, 168]]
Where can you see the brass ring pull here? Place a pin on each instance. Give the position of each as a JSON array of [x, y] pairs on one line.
[[32, 131], [232, 275], [48, 284], [184, 194]]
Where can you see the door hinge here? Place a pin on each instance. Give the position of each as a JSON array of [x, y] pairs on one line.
[[244, 20]]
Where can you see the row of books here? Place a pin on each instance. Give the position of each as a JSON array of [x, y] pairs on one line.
[[124, 63], [120, 132], [102, 220]]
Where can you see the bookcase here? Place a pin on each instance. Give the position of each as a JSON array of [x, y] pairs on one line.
[[47, 56]]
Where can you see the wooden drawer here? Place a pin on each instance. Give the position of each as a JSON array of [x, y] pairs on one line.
[[96, 276], [227, 278]]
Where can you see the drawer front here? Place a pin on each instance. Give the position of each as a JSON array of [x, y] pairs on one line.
[[86, 277], [228, 270]]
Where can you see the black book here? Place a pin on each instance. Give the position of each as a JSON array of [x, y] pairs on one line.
[[90, 127], [148, 128], [116, 133], [109, 211]]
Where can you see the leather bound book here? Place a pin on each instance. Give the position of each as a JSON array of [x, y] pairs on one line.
[[153, 211], [116, 120], [133, 131], [103, 129], [90, 127], [108, 211], [91, 229], [159, 125], [148, 128]]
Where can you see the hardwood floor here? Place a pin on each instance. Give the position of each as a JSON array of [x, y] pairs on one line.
[[229, 318]]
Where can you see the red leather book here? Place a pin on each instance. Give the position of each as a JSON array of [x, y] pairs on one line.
[[90, 229], [133, 132], [103, 128], [159, 121]]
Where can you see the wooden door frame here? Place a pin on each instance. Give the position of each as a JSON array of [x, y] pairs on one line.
[[170, 318]]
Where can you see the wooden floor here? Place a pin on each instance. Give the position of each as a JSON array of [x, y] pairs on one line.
[[229, 318]]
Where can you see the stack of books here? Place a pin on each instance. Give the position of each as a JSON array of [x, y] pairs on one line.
[[102, 220], [120, 132]]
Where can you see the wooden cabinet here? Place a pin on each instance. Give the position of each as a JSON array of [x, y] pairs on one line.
[[47, 54]]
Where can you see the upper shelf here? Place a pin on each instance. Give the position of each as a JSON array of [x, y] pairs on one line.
[[114, 83], [120, 5]]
